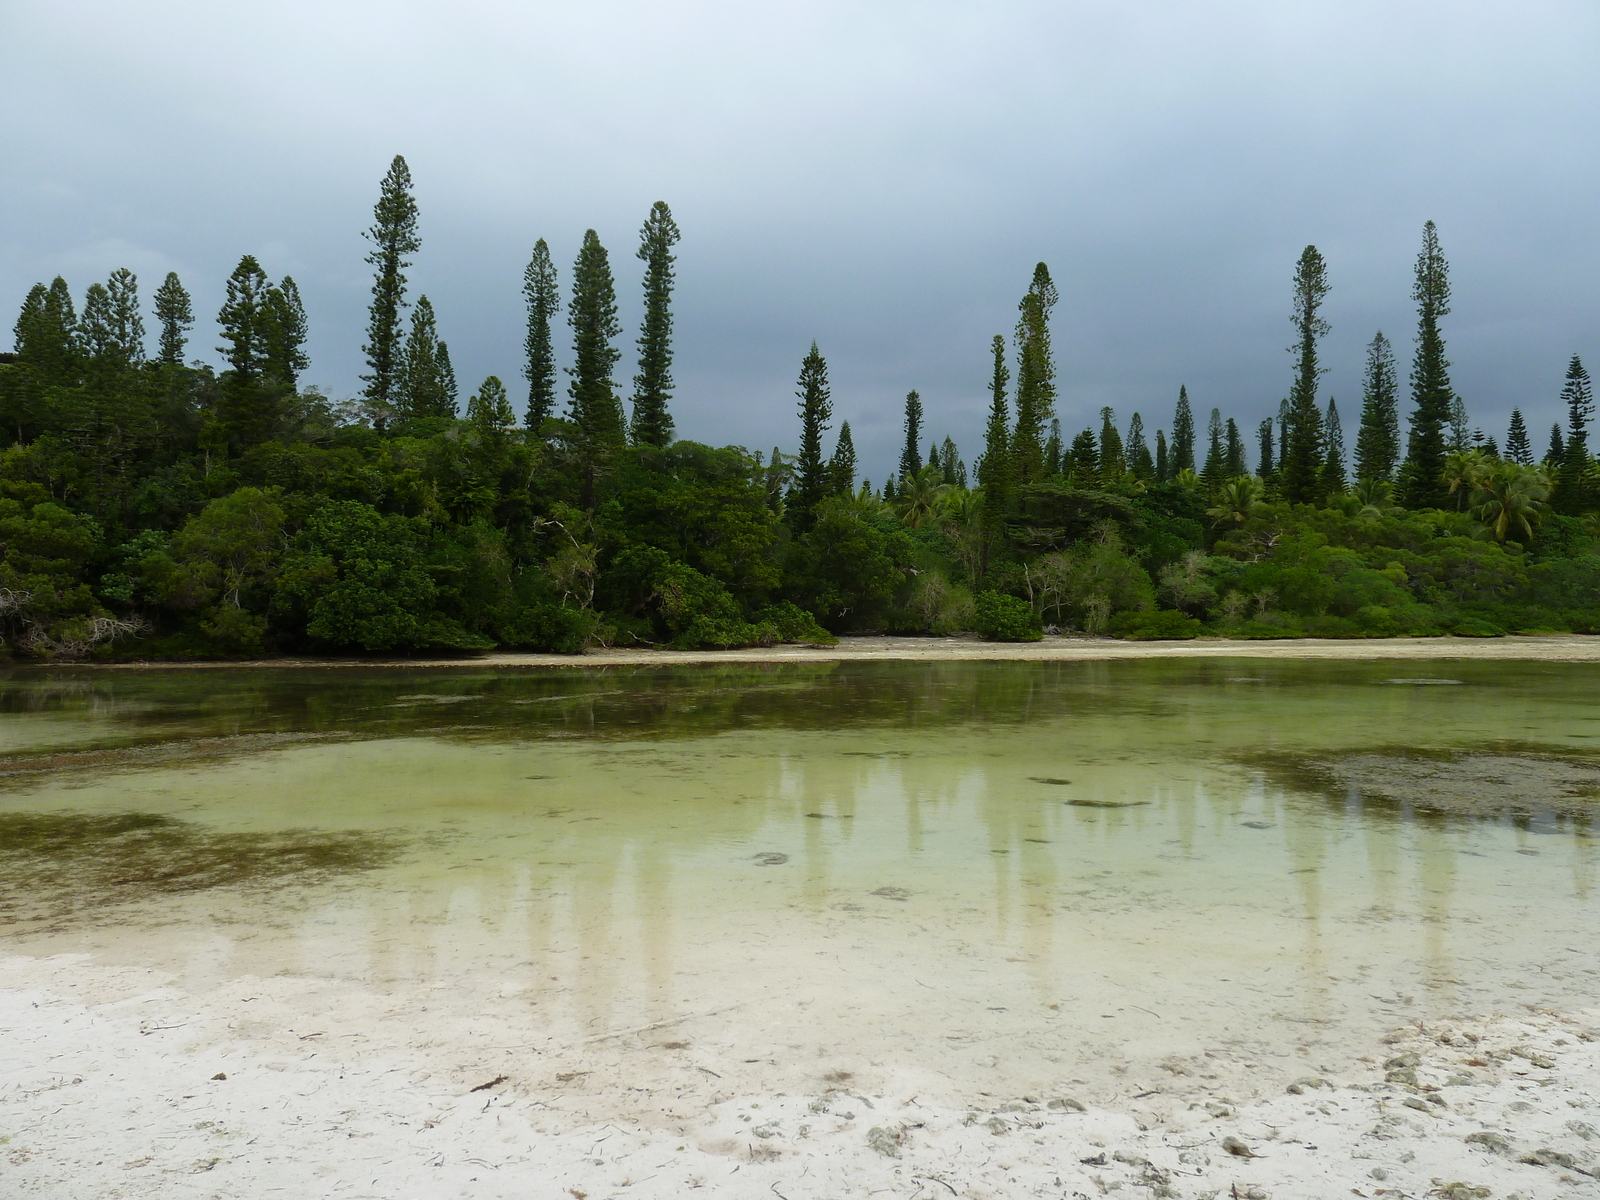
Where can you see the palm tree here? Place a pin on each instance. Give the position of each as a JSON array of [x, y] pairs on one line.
[[917, 500], [1236, 500], [1465, 470], [1371, 499], [961, 505], [1509, 498]]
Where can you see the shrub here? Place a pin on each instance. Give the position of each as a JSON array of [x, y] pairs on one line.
[[794, 624], [234, 630], [1329, 626], [1268, 627], [1472, 627], [723, 633], [357, 577], [1002, 618], [552, 627], [1164, 625]]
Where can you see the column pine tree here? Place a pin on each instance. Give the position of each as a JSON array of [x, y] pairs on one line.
[[816, 410], [1082, 461], [489, 412], [1518, 448], [1215, 471], [910, 452], [1460, 426], [1267, 468], [1137, 451], [1421, 475], [652, 386], [248, 405], [1300, 469], [243, 321], [842, 466], [1112, 462], [1036, 376], [394, 239], [1333, 477], [1378, 439], [595, 409], [1574, 494], [995, 469], [447, 380], [540, 289], [1236, 455], [127, 322], [424, 391], [1182, 433], [176, 314], [1557, 453], [284, 334]]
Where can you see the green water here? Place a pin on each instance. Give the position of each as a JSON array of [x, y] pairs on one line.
[[954, 863]]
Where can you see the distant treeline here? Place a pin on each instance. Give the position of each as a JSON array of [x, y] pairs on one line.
[[156, 506]]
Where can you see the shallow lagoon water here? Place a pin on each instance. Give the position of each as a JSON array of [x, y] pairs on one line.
[[968, 877]]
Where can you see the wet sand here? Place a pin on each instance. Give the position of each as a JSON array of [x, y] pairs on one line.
[[967, 648]]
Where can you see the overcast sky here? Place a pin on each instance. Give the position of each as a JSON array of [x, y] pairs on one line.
[[878, 176]]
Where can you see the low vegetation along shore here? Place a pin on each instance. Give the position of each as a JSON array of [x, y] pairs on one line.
[[160, 507]]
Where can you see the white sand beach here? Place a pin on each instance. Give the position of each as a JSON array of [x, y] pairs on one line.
[[118, 1083], [967, 647]]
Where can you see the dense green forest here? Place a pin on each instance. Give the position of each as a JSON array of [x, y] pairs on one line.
[[156, 506]]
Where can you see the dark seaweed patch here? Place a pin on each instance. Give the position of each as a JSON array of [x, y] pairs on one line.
[[1510, 780], [29, 770], [53, 865]]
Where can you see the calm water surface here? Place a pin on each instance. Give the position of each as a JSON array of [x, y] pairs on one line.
[[976, 865]]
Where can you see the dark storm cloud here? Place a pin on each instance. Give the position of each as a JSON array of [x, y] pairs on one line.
[[880, 177]]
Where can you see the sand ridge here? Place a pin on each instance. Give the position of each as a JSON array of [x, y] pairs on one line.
[[969, 648]]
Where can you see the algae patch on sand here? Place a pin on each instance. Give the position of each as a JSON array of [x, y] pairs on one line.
[[53, 865], [1460, 783]]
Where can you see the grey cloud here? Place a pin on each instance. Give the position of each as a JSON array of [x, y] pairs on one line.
[[879, 176]]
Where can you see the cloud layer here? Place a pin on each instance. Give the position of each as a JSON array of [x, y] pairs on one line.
[[878, 176]]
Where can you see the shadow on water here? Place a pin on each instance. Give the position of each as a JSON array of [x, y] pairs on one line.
[[688, 701], [56, 865]]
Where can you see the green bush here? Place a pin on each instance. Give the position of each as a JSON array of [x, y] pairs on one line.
[[552, 627], [1166, 624], [1002, 618], [794, 624], [1269, 627], [44, 552], [723, 633], [235, 631], [1377, 620], [357, 576], [1329, 626], [1472, 627]]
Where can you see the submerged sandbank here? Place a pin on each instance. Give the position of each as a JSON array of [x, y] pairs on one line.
[[967, 648]]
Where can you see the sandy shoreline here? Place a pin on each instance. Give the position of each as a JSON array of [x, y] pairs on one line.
[[967, 648], [117, 1083]]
